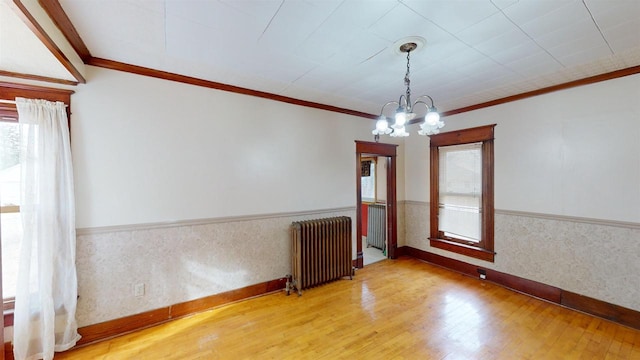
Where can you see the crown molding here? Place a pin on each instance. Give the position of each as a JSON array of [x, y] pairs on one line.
[[23, 13], [63, 22], [37, 78]]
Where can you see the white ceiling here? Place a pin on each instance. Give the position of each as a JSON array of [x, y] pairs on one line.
[[22, 52], [341, 53]]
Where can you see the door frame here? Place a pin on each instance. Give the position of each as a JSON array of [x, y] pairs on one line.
[[388, 151]]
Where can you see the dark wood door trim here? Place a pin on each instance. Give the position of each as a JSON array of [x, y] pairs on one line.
[[378, 149]]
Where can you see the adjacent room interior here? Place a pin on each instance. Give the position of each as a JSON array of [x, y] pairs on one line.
[[484, 155]]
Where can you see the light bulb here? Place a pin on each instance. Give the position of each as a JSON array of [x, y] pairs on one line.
[[432, 117], [382, 124], [401, 118]]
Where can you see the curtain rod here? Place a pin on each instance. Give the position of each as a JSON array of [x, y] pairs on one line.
[[14, 102]]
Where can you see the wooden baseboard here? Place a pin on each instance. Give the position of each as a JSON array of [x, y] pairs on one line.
[[121, 326], [112, 328], [8, 351], [612, 312], [595, 307], [117, 327]]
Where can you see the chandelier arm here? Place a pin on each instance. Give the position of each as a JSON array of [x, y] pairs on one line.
[[406, 102], [426, 96], [421, 102], [404, 114], [429, 108], [385, 105]]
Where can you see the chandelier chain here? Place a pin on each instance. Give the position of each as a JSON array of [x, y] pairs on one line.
[[407, 82], [404, 113]]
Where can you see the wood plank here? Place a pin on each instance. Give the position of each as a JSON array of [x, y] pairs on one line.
[[117, 327], [601, 308], [403, 308], [199, 305], [616, 313], [121, 326]]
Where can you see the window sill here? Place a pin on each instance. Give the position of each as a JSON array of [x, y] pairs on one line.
[[467, 250]]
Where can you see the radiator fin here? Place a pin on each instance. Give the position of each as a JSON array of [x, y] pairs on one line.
[[321, 252], [377, 229]]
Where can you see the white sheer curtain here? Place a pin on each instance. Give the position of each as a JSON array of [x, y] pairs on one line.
[[46, 297]]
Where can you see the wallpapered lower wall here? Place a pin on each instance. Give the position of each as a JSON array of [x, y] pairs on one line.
[[186, 261], [597, 259], [180, 262]]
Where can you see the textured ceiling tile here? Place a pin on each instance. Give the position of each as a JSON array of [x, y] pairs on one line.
[[508, 39], [502, 4], [509, 54], [363, 47], [184, 39], [612, 13], [581, 56], [280, 35], [341, 51], [561, 18], [532, 65], [577, 40], [584, 32], [525, 11], [493, 26], [466, 58], [401, 22], [110, 31], [452, 19], [256, 12], [624, 36], [362, 13]]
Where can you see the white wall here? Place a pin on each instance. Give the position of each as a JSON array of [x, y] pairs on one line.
[[148, 150], [191, 191], [574, 152], [567, 188]]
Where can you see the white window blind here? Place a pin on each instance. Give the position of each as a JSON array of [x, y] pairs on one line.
[[460, 191]]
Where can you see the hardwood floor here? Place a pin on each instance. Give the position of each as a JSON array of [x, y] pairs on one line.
[[393, 309]]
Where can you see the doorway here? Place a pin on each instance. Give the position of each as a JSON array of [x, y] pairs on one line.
[[388, 153]]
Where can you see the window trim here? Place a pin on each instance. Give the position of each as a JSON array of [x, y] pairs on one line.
[[483, 250], [374, 161]]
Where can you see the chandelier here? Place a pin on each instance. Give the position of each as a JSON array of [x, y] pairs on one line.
[[405, 109]]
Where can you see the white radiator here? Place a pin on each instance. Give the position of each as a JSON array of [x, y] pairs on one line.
[[376, 226]]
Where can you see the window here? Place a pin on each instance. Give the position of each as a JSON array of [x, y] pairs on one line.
[[10, 221], [462, 192], [10, 218], [368, 179]]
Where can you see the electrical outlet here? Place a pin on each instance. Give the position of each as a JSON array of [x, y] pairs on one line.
[[483, 273], [138, 290]]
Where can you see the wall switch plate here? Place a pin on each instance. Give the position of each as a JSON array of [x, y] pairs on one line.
[[138, 290]]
